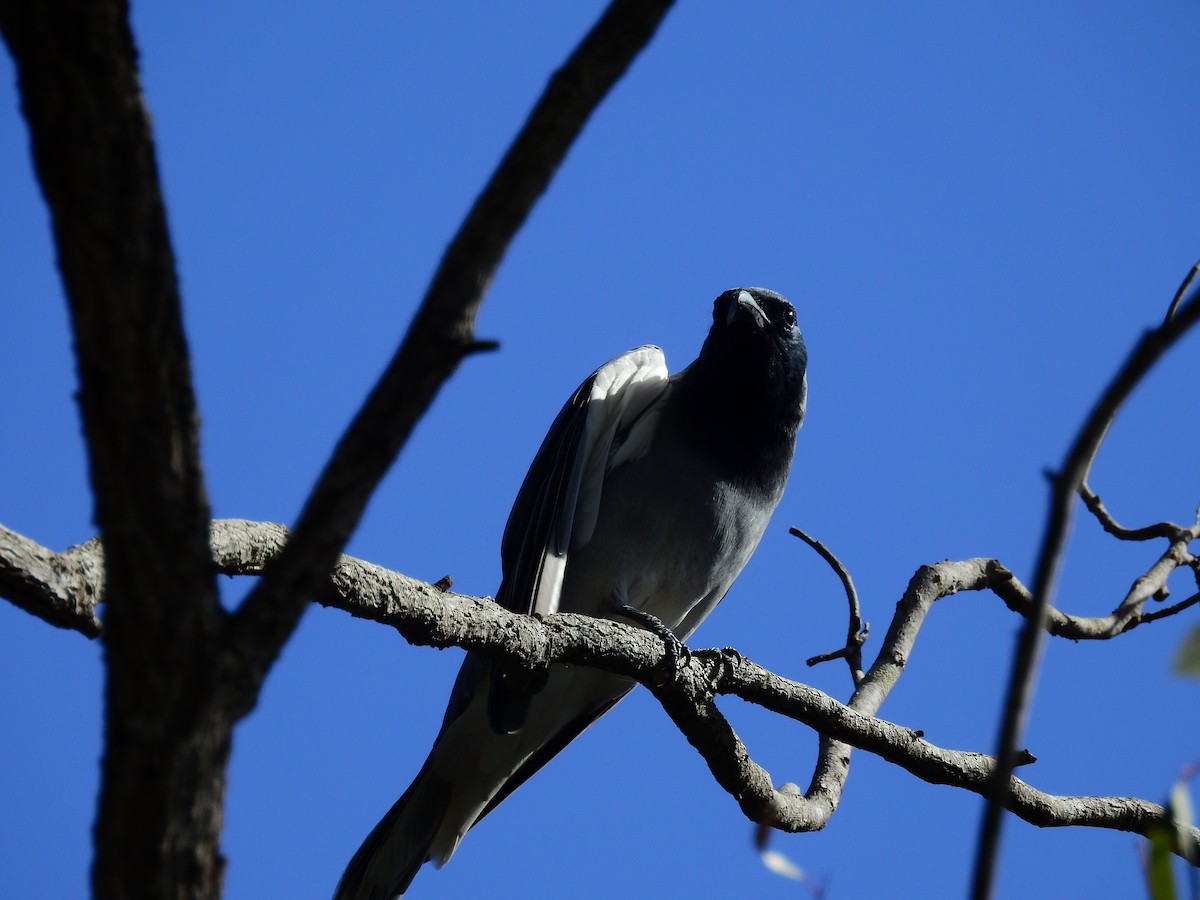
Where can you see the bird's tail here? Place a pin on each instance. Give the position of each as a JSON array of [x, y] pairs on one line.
[[397, 847]]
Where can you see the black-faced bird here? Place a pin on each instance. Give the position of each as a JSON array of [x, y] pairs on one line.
[[645, 501]]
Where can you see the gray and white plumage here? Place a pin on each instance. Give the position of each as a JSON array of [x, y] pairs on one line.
[[650, 490]]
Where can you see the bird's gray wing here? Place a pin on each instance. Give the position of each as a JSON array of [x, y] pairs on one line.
[[557, 505], [559, 500]]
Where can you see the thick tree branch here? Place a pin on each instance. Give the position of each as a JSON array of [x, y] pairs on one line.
[[1065, 484], [180, 674], [440, 336], [62, 588], [159, 812], [426, 616], [902, 746]]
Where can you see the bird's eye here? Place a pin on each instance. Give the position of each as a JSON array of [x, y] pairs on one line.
[[789, 317]]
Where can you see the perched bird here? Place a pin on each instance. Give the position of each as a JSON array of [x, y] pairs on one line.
[[645, 501]]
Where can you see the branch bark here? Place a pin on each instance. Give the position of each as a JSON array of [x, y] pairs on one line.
[[61, 588], [159, 813], [427, 616]]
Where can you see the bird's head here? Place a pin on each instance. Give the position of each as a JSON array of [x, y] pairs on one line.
[[756, 349]]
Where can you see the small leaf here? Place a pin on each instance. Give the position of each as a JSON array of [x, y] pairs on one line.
[[1160, 879], [781, 865], [1166, 836], [1187, 657], [1179, 805]]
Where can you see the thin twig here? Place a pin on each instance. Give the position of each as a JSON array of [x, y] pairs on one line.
[[1096, 507], [1173, 609], [1129, 614], [1183, 289], [858, 630]]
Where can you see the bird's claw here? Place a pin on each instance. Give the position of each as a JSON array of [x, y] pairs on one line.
[[675, 651], [728, 657]]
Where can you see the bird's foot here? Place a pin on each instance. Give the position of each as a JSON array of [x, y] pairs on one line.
[[728, 657], [676, 651]]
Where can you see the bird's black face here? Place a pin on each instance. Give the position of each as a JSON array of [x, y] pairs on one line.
[[756, 322], [756, 347], [761, 310]]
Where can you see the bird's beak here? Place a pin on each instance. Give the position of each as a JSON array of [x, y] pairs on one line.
[[745, 300]]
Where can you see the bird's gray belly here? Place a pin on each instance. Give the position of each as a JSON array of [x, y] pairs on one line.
[[669, 556]]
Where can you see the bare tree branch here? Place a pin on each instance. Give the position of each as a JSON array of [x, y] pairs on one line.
[[1065, 484], [425, 615], [1173, 609], [440, 336], [1096, 507], [1128, 615], [1181, 291], [64, 588], [163, 773], [899, 745], [857, 632], [61, 588]]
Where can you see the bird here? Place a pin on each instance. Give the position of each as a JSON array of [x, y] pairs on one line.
[[644, 502]]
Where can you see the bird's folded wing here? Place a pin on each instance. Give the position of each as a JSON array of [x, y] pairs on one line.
[[559, 500]]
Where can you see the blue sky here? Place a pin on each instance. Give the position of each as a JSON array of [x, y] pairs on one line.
[[976, 211]]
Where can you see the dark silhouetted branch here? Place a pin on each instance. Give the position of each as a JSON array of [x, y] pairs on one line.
[[441, 333], [1154, 343], [159, 812]]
